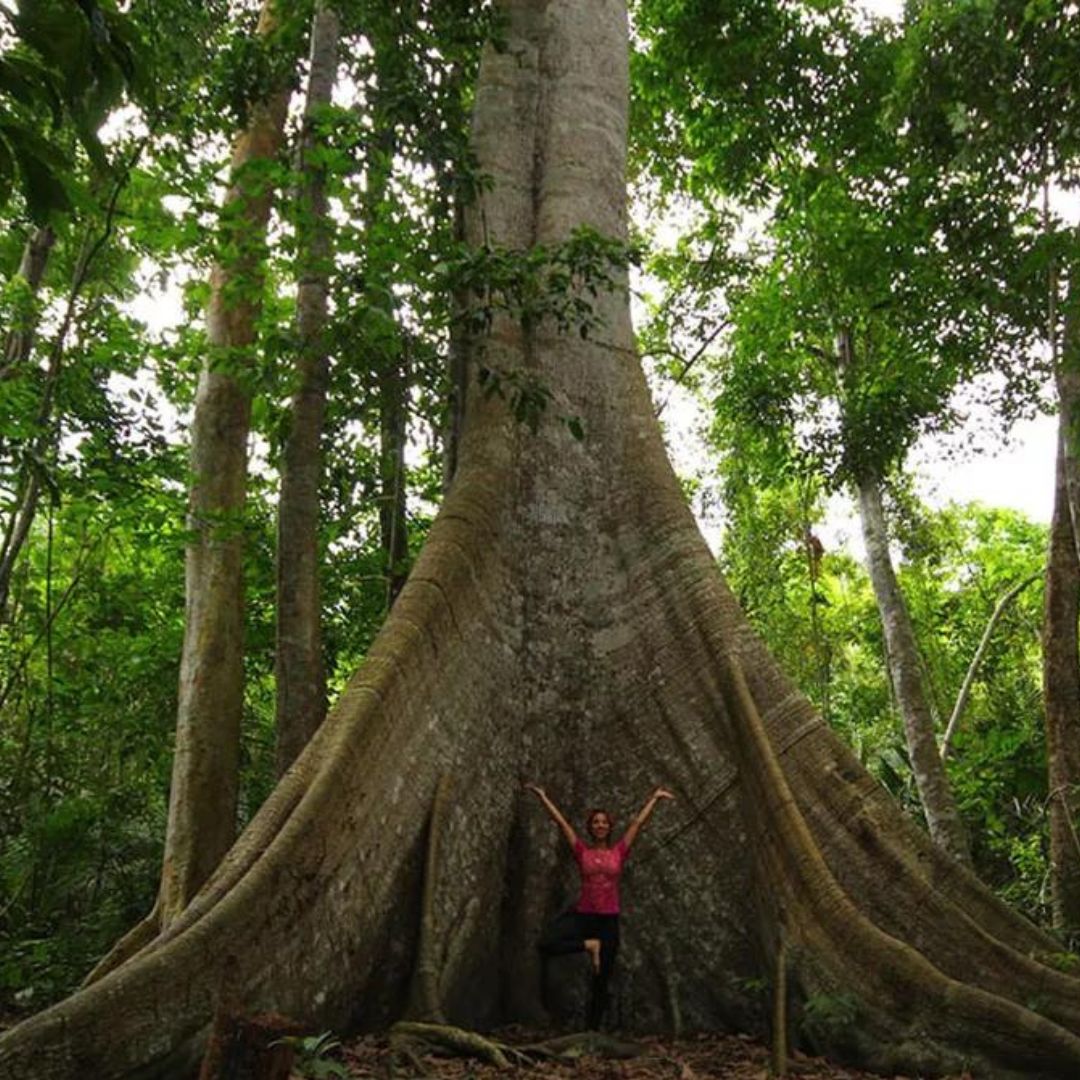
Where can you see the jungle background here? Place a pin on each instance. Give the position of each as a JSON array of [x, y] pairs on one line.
[[853, 236]]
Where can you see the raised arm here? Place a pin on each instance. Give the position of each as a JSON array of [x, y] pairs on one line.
[[644, 814], [554, 812]]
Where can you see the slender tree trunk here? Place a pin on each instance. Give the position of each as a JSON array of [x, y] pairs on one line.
[[1061, 698], [935, 793], [1067, 378], [391, 365], [299, 668], [202, 799], [19, 340], [457, 363], [565, 620], [18, 346], [393, 433]]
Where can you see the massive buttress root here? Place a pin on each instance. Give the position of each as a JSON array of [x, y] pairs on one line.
[[566, 623]]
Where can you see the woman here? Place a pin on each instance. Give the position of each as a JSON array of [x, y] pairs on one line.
[[592, 924]]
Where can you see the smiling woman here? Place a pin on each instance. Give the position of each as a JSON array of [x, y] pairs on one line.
[[592, 924]]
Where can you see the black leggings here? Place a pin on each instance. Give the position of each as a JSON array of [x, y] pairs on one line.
[[567, 933]]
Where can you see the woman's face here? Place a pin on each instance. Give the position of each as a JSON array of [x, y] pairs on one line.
[[600, 826]]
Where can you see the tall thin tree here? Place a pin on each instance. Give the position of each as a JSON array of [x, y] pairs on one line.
[[299, 666], [203, 796]]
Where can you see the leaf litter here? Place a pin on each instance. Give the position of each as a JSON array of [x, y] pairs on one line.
[[701, 1057]]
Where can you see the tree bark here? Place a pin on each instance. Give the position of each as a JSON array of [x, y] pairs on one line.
[[202, 798], [390, 361], [1067, 379], [457, 362], [299, 668], [1061, 700], [19, 340], [565, 620], [393, 433], [935, 793]]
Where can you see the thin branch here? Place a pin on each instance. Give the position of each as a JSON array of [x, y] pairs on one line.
[[46, 630], [976, 660], [691, 361]]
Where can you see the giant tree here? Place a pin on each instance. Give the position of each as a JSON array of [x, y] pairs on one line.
[[566, 620]]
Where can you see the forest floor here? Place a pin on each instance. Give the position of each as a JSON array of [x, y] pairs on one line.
[[703, 1057]]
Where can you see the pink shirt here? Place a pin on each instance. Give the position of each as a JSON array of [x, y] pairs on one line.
[[600, 869]]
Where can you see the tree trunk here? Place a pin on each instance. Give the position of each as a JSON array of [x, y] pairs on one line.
[[299, 668], [565, 621], [393, 432], [935, 793], [202, 799], [1061, 699], [457, 366], [19, 340], [18, 348], [1067, 379], [390, 362]]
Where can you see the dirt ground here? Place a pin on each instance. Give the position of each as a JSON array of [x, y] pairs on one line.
[[706, 1057]]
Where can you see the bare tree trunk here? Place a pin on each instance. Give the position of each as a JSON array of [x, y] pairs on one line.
[[565, 620], [393, 433], [1061, 699], [391, 367], [299, 667], [19, 340], [935, 793], [1067, 379], [202, 799], [457, 364]]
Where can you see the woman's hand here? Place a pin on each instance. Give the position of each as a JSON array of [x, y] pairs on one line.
[[554, 812], [644, 814]]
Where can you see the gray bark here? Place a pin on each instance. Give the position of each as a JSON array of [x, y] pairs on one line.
[[1067, 379], [19, 340], [565, 620], [202, 798], [935, 793], [1061, 700], [457, 366], [299, 668]]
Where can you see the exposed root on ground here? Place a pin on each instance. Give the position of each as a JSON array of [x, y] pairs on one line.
[[410, 1040], [702, 1057], [904, 1008]]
